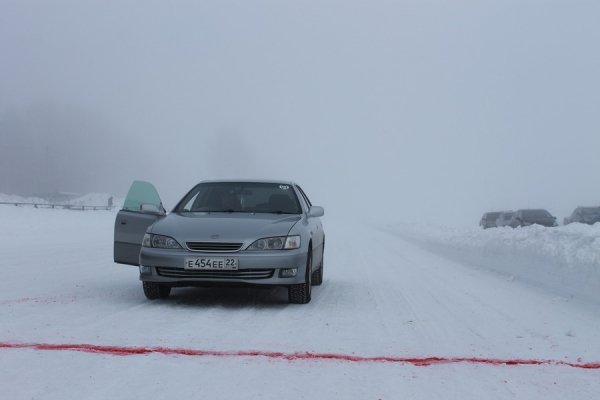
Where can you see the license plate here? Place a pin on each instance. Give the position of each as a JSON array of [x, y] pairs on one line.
[[211, 263]]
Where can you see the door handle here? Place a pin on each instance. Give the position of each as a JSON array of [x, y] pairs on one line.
[[123, 222]]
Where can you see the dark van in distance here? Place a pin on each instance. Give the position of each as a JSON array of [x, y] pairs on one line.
[[488, 220], [584, 215], [533, 216]]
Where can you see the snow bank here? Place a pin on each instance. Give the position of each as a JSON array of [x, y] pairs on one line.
[[96, 199], [12, 198], [91, 199], [565, 259]]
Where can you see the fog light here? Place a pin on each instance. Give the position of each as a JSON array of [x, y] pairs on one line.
[[144, 270], [288, 272]]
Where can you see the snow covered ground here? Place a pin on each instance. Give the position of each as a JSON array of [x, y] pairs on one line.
[[383, 295]]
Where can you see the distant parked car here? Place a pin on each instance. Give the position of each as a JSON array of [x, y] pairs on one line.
[[533, 216], [504, 218], [584, 215], [488, 220]]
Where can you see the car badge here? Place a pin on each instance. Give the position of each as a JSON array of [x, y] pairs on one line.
[[214, 236]]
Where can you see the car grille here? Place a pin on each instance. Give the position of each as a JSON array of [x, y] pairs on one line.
[[214, 246], [217, 274]]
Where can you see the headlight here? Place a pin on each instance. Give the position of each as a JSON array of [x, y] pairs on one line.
[[159, 241], [276, 243]]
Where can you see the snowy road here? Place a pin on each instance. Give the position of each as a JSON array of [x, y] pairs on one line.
[[382, 296]]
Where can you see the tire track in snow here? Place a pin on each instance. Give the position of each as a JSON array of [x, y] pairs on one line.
[[299, 356]]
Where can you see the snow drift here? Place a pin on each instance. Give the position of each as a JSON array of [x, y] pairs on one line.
[[74, 199], [565, 259]]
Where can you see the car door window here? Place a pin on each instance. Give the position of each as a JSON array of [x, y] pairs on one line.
[[141, 193]]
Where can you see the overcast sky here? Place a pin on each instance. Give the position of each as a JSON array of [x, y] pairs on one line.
[[426, 110]]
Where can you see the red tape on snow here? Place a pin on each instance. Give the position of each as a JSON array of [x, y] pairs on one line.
[[418, 361]]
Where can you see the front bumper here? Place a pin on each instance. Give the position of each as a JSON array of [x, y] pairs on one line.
[[254, 268]]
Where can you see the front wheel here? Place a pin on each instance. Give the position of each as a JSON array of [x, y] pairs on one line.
[[317, 276], [300, 293], [154, 291]]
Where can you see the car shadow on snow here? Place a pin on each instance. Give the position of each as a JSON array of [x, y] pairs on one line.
[[229, 297]]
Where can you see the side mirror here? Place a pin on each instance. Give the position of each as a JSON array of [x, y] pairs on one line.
[[151, 209], [316, 211]]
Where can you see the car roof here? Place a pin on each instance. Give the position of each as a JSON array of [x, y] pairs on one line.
[[492, 214], [281, 182]]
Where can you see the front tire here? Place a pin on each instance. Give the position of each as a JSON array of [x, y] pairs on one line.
[[154, 291], [317, 276], [300, 293]]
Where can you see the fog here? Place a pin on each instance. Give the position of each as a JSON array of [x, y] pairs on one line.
[[404, 110]]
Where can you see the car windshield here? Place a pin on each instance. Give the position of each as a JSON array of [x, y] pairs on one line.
[[590, 211], [536, 214], [249, 197], [492, 216]]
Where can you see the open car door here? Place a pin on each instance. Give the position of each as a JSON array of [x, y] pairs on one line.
[[141, 209]]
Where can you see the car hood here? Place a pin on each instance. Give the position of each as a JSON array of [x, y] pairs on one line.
[[223, 227]]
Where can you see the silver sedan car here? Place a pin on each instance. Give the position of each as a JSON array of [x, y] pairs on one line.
[[223, 233]]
